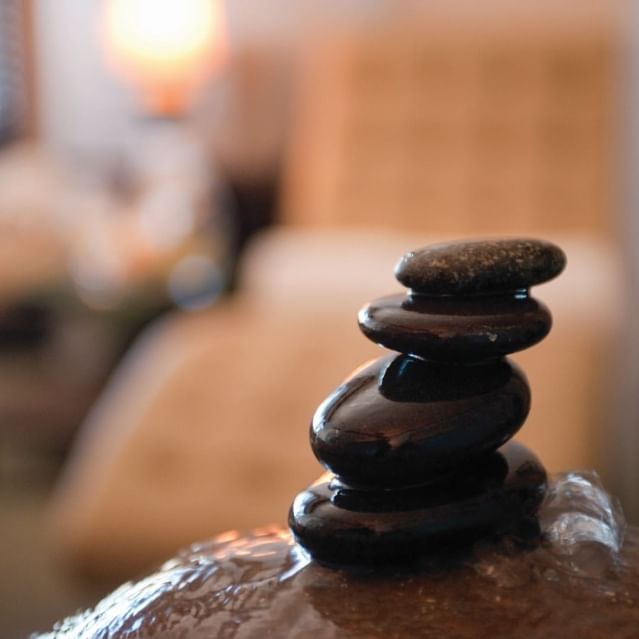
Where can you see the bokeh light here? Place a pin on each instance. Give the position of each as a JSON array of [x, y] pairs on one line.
[[195, 282]]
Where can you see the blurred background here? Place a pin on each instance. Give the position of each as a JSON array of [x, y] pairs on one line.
[[196, 196]]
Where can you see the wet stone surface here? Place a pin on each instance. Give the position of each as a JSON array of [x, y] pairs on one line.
[[480, 266], [455, 328], [339, 524], [403, 421], [446, 404], [262, 585]]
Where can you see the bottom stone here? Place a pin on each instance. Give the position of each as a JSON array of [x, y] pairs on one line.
[[499, 493]]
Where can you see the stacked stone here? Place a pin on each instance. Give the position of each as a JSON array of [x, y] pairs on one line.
[[415, 442]]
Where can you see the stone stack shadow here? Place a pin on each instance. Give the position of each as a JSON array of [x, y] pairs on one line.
[[416, 442]]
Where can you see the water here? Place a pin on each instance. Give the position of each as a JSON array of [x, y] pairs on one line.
[[582, 581], [582, 527], [230, 576]]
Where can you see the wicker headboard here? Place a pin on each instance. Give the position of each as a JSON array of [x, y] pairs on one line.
[[445, 130]]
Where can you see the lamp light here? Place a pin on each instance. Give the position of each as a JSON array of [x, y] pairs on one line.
[[166, 48]]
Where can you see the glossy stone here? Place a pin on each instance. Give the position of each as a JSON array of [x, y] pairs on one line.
[[264, 585], [479, 266], [456, 328], [402, 421], [340, 525]]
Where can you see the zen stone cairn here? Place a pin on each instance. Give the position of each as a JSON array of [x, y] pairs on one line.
[[416, 441]]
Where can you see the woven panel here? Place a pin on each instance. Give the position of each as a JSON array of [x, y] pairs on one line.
[[446, 133]]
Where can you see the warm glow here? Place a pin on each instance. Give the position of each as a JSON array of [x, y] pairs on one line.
[[167, 47]]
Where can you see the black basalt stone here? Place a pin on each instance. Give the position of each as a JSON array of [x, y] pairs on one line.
[[479, 266], [416, 443], [337, 524], [401, 421], [456, 328]]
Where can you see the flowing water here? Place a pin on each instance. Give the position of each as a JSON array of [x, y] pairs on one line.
[[581, 581]]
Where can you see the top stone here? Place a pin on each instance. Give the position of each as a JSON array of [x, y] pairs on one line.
[[480, 266]]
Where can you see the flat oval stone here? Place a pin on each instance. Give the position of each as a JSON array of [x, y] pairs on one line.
[[500, 492], [402, 421], [480, 266], [456, 328]]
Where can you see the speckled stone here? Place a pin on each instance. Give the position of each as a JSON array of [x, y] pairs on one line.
[[337, 524], [402, 421], [480, 266], [455, 328]]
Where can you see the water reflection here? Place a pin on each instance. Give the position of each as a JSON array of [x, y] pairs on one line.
[[260, 585]]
